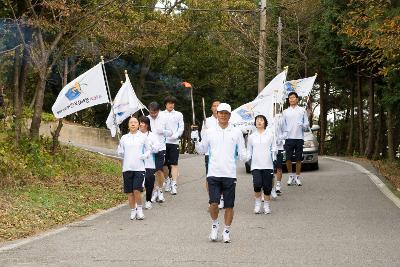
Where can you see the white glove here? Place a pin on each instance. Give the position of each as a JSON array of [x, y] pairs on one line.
[[194, 135]]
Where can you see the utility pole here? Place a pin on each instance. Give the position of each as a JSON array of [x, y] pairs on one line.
[[279, 53], [261, 56]]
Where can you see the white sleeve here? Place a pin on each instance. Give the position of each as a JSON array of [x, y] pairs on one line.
[[181, 126], [154, 143], [202, 147]]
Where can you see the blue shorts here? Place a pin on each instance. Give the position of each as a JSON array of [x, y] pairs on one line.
[[159, 160], [133, 180], [294, 146], [171, 154], [263, 179], [279, 160], [222, 185]]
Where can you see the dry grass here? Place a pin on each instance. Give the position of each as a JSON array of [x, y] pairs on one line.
[[81, 183]]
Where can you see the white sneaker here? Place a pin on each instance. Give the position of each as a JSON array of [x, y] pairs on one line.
[[133, 214], [214, 232], [173, 189], [148, 205], [267, 209], [154, 196], [278, 188], [273, 193], [221, 203], [160, 196], [226, 236], [290, 180], [139, 214], [167, 185], [297, 181], [257, 207]]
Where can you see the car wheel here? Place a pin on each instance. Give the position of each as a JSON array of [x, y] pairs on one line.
[[314, 166]]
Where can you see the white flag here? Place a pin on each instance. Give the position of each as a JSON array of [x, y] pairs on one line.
[[125, 104], [243, 116], [87, 90], [302, 87], [275, 88]]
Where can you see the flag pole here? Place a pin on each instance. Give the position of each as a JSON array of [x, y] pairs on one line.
[[109, 95]]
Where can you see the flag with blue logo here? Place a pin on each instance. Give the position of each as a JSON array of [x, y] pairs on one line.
[[125, 104], [243, 116], [88, 90], [302, 87]]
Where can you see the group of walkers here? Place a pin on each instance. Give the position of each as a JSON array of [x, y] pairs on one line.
[[150, 157]]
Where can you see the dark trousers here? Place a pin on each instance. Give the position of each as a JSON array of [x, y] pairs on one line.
[[149, 183]]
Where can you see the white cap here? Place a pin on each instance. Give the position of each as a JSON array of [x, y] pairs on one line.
[[224, 106]]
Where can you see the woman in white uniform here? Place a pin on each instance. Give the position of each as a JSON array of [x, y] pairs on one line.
[[134, 150], [260, 151], [150, 164]]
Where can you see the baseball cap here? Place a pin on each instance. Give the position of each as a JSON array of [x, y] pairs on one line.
[[224, 106]]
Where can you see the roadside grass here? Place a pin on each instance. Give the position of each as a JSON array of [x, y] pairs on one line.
[[390, 170], [39, 191]]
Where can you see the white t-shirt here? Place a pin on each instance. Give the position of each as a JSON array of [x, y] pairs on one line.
[[211, 122], [223, 146], [154, 145], [295, 122], [132, 147], [260, 150], [159, 128], [174, 122]]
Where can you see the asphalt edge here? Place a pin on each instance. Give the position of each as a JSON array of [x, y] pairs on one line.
[[375, 179], [20, 242]]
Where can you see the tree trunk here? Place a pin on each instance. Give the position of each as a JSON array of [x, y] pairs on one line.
[[379, 134], [23, 76], [56, 133], [371, 120], [17, 106], [323, 113], [349, 149], [360, 113], [144, 70], [390, 143], [38, 108]]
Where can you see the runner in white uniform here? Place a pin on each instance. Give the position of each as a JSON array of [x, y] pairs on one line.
[[150, 162], [158, 125], [296, 121], [134, 149], [224, 144], [260, 150], [211, 122], [175, 123]]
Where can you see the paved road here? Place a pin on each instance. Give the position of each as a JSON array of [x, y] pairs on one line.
[[338, 218]]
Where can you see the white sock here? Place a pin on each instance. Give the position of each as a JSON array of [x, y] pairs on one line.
[[258, 201], [139, 207], [133, 210], [266, 203], [215, 222], [227, 228]]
